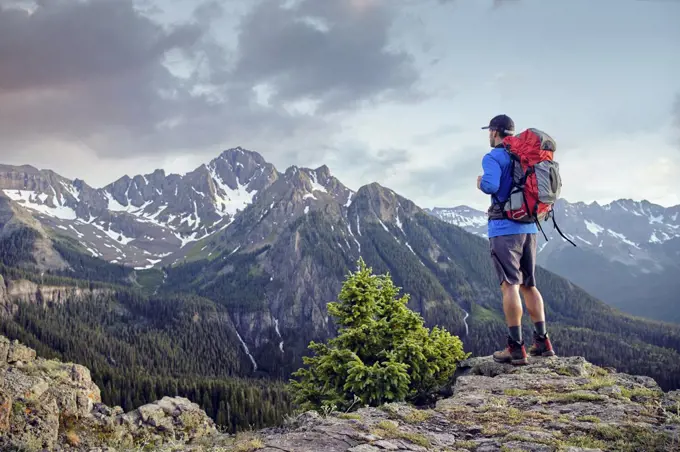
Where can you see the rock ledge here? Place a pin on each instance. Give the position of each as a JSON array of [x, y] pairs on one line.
[[553, 404]]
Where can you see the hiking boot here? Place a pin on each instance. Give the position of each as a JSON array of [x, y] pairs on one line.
[[514, 354], [541, 346]]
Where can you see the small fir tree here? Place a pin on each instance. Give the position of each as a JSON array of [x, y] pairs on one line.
[[383, 352]]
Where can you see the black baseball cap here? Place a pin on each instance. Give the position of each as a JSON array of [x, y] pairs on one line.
[[501, 123]]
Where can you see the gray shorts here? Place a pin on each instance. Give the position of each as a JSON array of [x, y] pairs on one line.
[[514, 258]]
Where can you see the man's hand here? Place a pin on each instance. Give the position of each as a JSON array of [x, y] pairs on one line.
[[479, 182]]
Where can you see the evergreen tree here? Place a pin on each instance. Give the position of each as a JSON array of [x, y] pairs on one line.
[[382, 353]]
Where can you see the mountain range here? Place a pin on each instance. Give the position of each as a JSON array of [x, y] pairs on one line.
[[142, 220], [627, 253], [224, 273]]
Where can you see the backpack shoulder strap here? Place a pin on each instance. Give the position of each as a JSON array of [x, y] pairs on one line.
[[557, 228]]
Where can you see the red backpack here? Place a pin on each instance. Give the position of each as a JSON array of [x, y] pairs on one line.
[[536, 181]]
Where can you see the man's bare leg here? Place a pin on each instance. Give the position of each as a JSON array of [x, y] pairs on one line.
[[512, 307], [534, 301]]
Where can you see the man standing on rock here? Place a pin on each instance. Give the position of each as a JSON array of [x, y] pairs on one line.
[[513, 251]]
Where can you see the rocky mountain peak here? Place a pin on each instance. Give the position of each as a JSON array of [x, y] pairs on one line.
[[383, 204], [19, 169], [240, 167], [239, 154], [291, 170], [323, 173], [80, 184], [313, 186]]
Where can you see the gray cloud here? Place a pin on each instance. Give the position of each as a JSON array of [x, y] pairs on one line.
[[331, 51], [93, 72], [426, 138], [380, 165], [365, 166], [456, 174]]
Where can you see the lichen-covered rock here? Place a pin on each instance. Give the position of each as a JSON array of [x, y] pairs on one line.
[[171, 417], [5, 411], [19, 353], [34, 424], [671, 402], [47, 404], [4, 347], [553, 404]]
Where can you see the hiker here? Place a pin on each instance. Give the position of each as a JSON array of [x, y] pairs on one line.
[[513, 250]]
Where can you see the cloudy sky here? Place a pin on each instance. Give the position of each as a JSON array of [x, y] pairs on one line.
[[393, 91]]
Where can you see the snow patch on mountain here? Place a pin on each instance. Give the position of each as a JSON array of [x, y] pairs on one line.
[[622, 238], [37, 203], [316, 186], [227, 200], [152, 262], [593, 227], [117, 236]]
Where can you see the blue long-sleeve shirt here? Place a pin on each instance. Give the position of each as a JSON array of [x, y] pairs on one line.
[[497, 180]]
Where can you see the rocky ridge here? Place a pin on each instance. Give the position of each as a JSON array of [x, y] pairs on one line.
[[558, 403]]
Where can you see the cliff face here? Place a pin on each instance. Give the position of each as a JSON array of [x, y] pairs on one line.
[[553, 404], [29, 292], [24, 291]]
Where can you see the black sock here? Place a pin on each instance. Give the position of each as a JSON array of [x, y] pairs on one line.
[[516, 333], [540, 328]]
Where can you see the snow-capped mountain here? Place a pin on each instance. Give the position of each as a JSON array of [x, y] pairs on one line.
[[470, 219], [630, 222], [626, 251], [142, 220]]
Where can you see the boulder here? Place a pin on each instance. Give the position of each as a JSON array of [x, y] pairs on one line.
[[19, 353], [47, 404]]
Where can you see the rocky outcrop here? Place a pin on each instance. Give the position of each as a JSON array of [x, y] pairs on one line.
[[553, 404], [50, 405]]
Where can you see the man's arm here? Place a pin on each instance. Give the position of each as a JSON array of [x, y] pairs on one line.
[[491, 180]]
